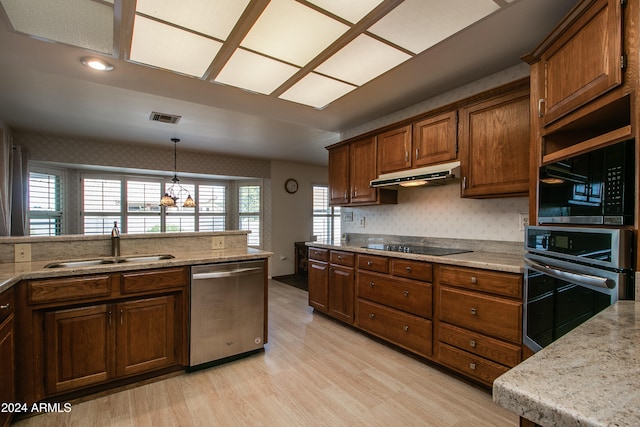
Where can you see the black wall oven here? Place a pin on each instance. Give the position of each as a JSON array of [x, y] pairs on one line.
[[571, 274], [595, 188]]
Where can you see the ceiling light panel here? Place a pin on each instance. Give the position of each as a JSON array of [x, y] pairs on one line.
[[352, 11], [213, 18], [167, 47], [255, 72], [82, 23], [316, 90], [292, 32], [416, 25], [364, 59]]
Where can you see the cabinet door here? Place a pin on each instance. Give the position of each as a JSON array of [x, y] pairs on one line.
[[341, 293], [339, 175], [362, 165], [7, 366], [435, 140], [318, 286], [394, 150], [145, 338], [584, 62], [495, 146], [79, 347]]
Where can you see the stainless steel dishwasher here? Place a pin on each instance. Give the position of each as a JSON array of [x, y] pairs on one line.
[[227, 311]]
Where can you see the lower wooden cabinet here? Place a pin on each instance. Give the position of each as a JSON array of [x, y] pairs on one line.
[[7, 353], [331, 283]]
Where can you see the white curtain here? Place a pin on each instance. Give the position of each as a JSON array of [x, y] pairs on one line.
[[5, 183]]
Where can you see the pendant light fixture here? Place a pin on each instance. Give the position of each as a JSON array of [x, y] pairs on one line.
[[176, 190]]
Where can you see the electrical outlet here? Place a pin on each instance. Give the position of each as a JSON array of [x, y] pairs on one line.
[[348, 216], [524, 220], [23, 252], [362, 222], [217, 242]]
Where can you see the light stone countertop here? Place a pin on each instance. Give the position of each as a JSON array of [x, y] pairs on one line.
[[498, 261], [12, 273], [589, 377]]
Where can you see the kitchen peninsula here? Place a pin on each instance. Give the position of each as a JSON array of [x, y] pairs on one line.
[[127, 316]]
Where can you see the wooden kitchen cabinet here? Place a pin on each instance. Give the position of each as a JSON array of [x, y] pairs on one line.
[[494, 146], [394, 150], [318, 279], [352, 166], [435, 139], [112, 328], [480, 321], [331, 283], [7, 353]]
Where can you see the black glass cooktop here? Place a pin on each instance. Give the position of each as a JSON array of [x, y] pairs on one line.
[[420, 250]]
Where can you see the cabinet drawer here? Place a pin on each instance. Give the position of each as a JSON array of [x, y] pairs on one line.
[[319, 254], [489, 348], [343, 258], [410, 332], [494, 282], [141, 281], [493, 316], [474, 366], [373, 263], [68, 289], [406, 295], [412, 269], [7, 304]]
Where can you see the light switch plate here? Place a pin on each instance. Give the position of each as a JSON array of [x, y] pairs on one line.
[[217, 242], [23, 252]]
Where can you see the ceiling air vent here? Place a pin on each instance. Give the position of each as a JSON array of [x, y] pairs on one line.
[[164, 118]]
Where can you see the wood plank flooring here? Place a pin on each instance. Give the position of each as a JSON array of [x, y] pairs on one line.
[[314, 372]]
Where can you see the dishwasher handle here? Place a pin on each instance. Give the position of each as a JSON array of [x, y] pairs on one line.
[[226, 273]]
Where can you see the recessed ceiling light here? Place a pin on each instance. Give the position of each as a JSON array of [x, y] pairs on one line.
[[96, 64]]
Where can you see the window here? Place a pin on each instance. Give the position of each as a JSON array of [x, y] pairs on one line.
[[45, 203], [326, 219], [249, 210], [134, 203]]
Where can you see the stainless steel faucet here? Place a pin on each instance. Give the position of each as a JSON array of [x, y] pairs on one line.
[[115, 240]]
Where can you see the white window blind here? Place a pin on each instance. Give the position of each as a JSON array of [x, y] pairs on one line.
[[326, 219], [45, 203], [212, 206], [249, 210]]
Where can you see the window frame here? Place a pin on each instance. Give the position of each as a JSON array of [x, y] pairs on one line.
[[330, 216], [259, 213], [58, 213]]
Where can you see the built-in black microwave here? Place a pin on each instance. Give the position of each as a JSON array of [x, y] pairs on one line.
[[596, 187]]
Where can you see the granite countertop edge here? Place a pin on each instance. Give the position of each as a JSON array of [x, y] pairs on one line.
[[12, 273], [498, 261]]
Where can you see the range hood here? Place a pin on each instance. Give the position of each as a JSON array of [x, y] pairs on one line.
[[432, 175]]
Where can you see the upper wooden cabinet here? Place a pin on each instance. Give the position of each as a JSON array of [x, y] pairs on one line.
[[435, 139], [494, 146], [394, 150], [581, 60], [351, 168]]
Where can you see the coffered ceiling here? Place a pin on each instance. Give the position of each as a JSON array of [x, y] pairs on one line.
[[275, 79]]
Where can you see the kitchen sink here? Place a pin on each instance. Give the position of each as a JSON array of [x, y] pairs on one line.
[[108, 260]]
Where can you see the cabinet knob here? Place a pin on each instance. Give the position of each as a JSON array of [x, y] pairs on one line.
[[405, 328], [369, 263], [109, 317], [472, 344], [541, 101], [340, 257], [474, 279], [371, 284], [405, 293], [408, 269], [5, 306], [473, 311], [371, 315], [472, 366]]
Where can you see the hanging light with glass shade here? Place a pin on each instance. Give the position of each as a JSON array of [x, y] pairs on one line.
[[175, 191]]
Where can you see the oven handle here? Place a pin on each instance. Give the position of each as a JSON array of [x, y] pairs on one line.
[[578, 278]]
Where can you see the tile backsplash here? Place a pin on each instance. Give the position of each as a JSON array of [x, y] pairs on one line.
[[441, 212]]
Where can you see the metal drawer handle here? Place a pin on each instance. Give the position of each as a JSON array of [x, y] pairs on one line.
[[472, 366], [474, 311], [474, 280], [369, 263], [371, 315], [472, 344], [408, 269], [339, 256], [5, 306], [405, 293], [371, 284], [405, 328]]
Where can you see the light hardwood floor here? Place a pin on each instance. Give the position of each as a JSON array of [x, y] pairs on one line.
[[314, 372]]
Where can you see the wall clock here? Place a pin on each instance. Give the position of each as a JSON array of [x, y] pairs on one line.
[[291, 185]]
